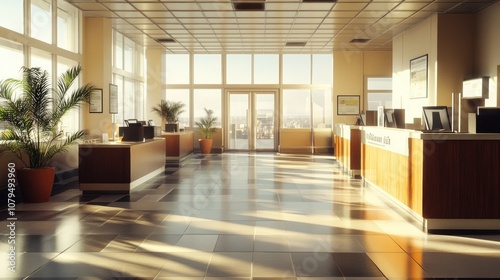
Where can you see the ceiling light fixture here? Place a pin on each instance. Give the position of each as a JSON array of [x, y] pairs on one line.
[[360, 41], [295, 44], [165, 40], [249, 5]]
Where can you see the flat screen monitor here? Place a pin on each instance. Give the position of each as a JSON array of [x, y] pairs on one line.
[[390, 120], [133, 133], [488, 120], [436, 118]]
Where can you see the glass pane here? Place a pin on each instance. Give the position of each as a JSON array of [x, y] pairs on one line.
[[379, 84], [11, 54], [296, 109], [118, 54], [67, 26], [139, 101], [266, 69], [296, 69], [129, 99], [322, 108], [376, 99], [12, 15], [71, 121], [43, 60], [210, 99], [239, 69], [264, 121], [181, 95], [238, 121], [41, 20], [118, 81], [177, 69], [322, 69], [207, 69], [128, 55]]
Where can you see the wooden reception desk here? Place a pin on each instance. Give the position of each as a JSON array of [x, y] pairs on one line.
[[179, 145], [446, 180], [119, 166], [348, 148]]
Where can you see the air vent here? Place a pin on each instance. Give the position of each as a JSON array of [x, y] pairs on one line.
[[319, 1], [295, 44], [360, 41], [165, 40], [249, 5]]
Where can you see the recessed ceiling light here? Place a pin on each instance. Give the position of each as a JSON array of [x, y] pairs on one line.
[[165, 40], [249, 5], [360, 40], [295, 44], [319, 1]]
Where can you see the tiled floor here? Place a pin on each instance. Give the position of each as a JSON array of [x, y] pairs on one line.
[[238, 216]]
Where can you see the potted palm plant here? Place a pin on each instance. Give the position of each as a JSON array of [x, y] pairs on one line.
[[170, 111], [32, 111], [206, 125]]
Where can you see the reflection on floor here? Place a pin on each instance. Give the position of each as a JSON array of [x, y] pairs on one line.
[[238, 216]]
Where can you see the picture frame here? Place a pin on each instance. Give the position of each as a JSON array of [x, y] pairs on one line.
[[96, 101], [348, 105], [113, 99], [419, 77]]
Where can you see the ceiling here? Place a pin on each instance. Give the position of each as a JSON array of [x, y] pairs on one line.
[[213, 26]]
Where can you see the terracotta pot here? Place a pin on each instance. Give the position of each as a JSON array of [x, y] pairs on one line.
[[36, 184], [205, 145]]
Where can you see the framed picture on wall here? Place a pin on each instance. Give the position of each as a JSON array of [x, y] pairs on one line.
[[418, 77], [96, 101], [348, 105], [113, 99]]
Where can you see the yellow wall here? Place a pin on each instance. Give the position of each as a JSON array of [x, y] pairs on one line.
[[97, 49], [349, 71], [154, 83]]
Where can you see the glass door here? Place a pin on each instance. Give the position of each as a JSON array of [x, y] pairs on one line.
[[252, 121]]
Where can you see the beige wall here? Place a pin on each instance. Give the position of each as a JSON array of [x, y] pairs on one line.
[[488, 50], [154, 83], [97, 63], [450, 61], [349, 71]]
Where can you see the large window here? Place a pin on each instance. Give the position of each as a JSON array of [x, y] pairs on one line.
[[11, 15], [239, 69], [128, 67], [296, 109], [207, 69], [266, 69], [177, 69], [210, 99], [297, 69], [378, 92], [67, 26], [41, 20]]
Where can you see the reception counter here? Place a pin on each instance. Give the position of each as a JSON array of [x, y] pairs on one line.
[[119, 166], [446, 180], [178, 146], [347, 141]]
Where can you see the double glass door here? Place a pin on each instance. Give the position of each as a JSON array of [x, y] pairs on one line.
[[252, 121]]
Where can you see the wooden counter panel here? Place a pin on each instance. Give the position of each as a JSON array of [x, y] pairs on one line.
[[145, 158], [179, 144], [416, 169], [461, 179], [391, 173], [355, 150], [115, 170]]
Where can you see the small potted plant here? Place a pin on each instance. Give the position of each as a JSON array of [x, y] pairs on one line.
[[170, 111], [206, 125], [32, 111]]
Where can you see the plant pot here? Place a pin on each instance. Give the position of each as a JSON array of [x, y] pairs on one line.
[[205, 146], [171, 127], [36, 184]]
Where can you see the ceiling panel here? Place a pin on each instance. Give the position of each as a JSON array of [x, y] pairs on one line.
[[213, 25]]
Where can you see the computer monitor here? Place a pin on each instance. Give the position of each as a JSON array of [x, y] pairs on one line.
[[390, 120], [133, 133], [488, 120], [436, 118]]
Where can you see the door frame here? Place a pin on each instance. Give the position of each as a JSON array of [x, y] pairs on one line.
[[252, 92]]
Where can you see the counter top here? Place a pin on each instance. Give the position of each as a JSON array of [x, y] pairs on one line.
[[122, 144], [163, 133]]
